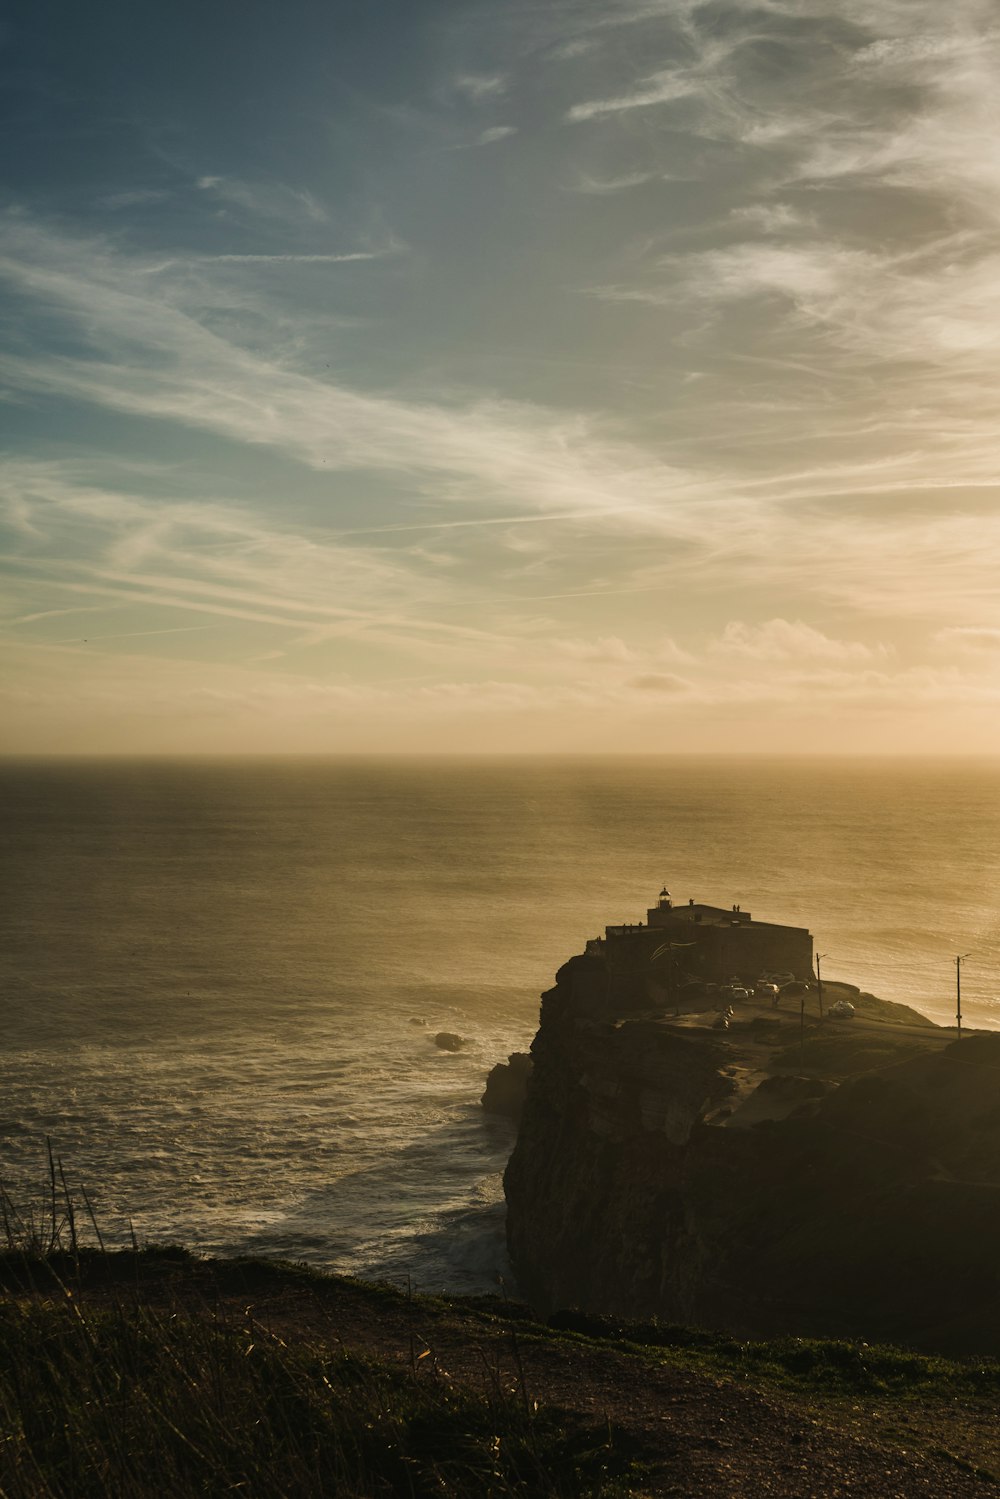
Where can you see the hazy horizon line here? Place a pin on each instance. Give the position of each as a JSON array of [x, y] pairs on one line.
[[398, 756]]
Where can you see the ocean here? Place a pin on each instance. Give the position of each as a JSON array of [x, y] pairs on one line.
[[221, 981]]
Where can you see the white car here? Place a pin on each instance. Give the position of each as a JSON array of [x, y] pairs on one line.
[[764, 989], [842, 1010]]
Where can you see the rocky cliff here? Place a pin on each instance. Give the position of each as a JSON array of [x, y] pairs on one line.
[[786, 1174], [507, 1086]]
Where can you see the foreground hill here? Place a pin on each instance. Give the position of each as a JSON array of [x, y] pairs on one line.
[[158, 1374]]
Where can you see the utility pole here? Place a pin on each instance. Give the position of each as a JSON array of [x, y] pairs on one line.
[[819, 981], [958, 989]]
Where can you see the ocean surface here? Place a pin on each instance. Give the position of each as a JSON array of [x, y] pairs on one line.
[[221, 981]]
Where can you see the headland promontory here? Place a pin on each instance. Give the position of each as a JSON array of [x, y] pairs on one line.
[[711, 1138]]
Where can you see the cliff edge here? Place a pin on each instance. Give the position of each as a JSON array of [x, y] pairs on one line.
[[780, 1174]]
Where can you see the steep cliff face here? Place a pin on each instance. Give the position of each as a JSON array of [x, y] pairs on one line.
[[602, 1155], [667, 1168]]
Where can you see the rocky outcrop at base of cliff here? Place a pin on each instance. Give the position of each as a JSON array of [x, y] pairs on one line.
[[786, 1175], [507, 1086]]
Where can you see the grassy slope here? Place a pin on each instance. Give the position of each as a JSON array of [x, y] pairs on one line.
[[155, 1373]]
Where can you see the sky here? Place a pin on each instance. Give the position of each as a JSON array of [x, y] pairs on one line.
[[439, 375]]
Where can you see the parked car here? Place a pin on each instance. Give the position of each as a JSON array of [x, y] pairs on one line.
[[763, 989], [842, 1010]]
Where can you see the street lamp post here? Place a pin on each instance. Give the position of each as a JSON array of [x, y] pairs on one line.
[[819, 982], [958, 989]]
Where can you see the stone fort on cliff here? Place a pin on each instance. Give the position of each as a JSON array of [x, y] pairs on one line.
[[679, 943]]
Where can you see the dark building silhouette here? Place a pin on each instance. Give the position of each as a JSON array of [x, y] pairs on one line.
[[679, 943]]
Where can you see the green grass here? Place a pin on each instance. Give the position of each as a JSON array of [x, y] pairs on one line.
[[111, 1384], [130, 1401], [808, 1366], [840, 1054], [837, 1367], [112, 1388]]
